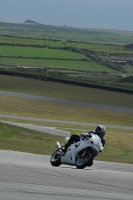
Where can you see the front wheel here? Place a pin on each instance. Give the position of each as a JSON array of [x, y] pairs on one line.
[[84, 159], [55, 159]]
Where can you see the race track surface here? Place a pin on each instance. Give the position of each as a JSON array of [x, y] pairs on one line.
[[42, 128], [25, 176], [68, 102], [31, 177]]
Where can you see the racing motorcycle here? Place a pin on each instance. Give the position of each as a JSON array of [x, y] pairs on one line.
[[79, 154]]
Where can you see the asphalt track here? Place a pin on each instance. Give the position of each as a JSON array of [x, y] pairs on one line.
[[43, 129], [31, 177], [26, 176], [68, 102]]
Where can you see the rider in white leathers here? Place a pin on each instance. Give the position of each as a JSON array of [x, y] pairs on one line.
[[100, 131]]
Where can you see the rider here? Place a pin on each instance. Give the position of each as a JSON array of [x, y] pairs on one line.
[[100, 131]]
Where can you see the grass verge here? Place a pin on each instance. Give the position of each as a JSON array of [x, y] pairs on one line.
[[25, 140], [65, 91], [56, 111], [119, 148]]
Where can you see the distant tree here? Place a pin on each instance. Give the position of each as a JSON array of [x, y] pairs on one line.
[[30, 22]]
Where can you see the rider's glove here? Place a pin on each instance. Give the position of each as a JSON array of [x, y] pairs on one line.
[[85, 135], [90, 133]]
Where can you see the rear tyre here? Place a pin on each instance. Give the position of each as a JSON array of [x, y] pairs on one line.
[[55, 159], [84, 159]]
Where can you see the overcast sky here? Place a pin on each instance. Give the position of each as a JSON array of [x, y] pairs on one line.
[[107, 14]]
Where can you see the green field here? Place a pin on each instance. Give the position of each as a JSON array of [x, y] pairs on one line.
[[82, 61], [97, 47], [58, 65], [64, 33], [39, 53], [107, 48]]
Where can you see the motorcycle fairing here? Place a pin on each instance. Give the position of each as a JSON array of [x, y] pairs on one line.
[[94, 143]]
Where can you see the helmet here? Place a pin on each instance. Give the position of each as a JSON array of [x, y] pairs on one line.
[[100, 130]]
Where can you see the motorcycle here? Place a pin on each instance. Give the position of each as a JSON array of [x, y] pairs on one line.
[[79, 154]]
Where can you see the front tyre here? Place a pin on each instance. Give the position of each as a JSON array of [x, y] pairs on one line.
[[84, 159], [55, 159]]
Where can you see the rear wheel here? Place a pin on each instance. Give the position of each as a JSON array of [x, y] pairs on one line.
[[84, 159], [55, 159]]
